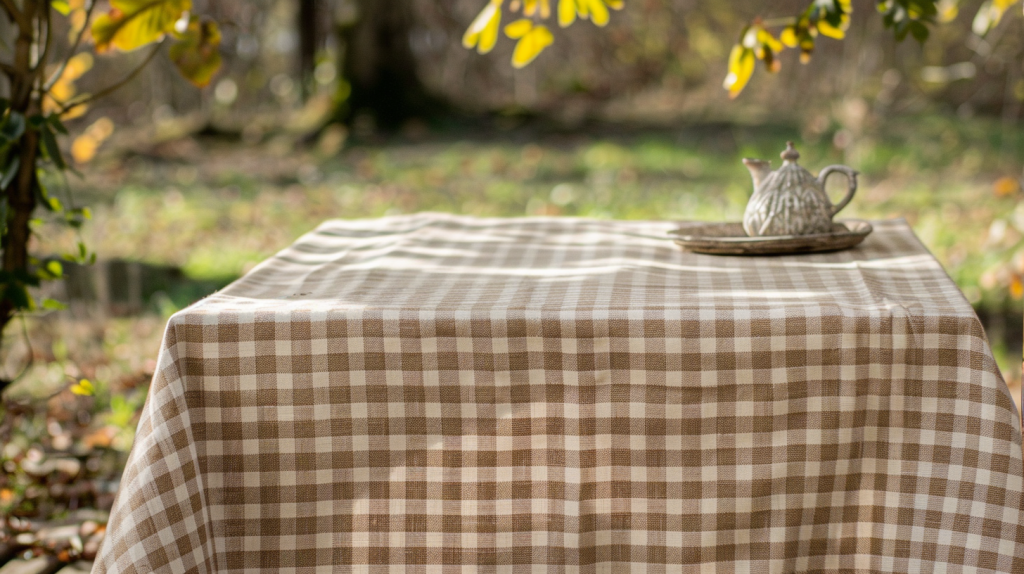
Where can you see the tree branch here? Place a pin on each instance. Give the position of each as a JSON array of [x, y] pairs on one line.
[[71, 51], [89, 98], [40, 67], [17, 16], [22, 81]]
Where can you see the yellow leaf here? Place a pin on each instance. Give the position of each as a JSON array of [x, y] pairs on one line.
[[1016, 288], [566, 12], [76, 21], [197, 54], [83, 148], [537, 7], [948, 10], [101, 129], [519, 28], [831, 31], [788, 36], [741, 67], [83, 388], [62, 91], [989, 15], [483, 32], [61, 6], [765, 37], [77, 66], [75, 112], [531, 45], [131, 24], [64, 88], [597, 10]]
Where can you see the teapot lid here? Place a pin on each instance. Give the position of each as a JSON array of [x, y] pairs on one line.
[[790, 155]]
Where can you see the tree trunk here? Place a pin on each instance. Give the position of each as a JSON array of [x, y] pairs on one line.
[[310, 40], [21, 202], [21, 193], [379, 64]]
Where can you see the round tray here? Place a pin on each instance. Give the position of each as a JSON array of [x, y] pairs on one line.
[[730, 239]]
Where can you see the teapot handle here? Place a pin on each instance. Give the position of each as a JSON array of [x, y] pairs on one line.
[[850, 173]]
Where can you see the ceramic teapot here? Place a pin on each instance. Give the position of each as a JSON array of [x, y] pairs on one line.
[[791, 201]]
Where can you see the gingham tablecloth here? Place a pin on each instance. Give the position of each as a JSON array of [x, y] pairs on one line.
[[434, 393]]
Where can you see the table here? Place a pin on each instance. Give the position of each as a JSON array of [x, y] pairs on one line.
[[434, 393]]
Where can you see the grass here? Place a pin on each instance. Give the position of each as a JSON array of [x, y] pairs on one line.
[[215, 209]]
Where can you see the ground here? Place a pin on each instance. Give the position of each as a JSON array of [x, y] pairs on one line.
[[214, 206]]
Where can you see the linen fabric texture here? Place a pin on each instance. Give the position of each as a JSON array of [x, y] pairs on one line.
[[435, 393]]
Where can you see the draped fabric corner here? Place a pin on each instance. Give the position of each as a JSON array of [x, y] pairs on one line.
[[438, 393]]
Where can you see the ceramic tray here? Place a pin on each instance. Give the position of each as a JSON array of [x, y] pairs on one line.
[[730, 239]]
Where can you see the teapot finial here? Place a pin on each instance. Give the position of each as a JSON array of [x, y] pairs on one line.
[[790, 154]]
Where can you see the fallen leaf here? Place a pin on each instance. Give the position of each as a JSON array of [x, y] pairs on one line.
[[1006, 186]]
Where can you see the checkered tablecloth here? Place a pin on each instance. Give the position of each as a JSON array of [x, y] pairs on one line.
[[434, 393]]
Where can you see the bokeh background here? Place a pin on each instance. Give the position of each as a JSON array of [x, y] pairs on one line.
[[353, 108]]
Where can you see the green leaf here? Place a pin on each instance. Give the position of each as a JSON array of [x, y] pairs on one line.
[[13, 127], [56, 124], [17, 294], [53, 305], [83, 256], [61, 6], [197, 52], [55, 269], [44, 194], [8, 174], [901, 28], [918, 30], [49, 142], [131, 24]]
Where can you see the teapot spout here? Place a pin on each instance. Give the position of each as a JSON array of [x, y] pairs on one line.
[[759, 170]]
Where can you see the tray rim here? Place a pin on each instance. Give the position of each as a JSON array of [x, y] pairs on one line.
[[709, 244]]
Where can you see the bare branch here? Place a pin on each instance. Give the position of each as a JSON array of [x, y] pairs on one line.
[[71, 51], [89, 98], [7, 68], [40, 67], [23, 82], [16, 15]]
